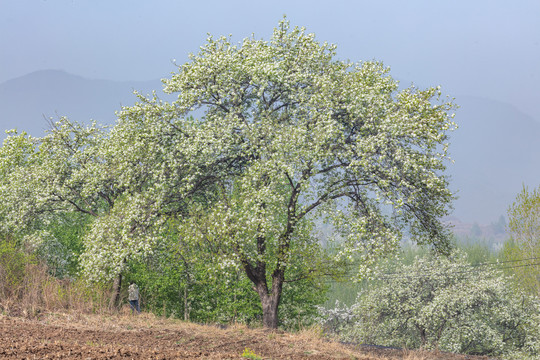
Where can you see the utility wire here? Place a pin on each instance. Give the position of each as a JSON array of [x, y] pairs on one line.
[[503, 262], [481, 264], [422, 275]]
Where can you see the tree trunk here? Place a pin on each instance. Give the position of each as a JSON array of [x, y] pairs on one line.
[[186, 292], [186, 303], [270, 300], [115, 296], [270, 305]]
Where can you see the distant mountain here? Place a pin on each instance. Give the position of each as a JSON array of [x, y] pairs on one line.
[[25, 101], [496, 151], [496, 148]]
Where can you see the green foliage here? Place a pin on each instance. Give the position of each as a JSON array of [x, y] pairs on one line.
[[172, 284], [478, 253], [171, 289], [444, 303], [524, 229], [300, 301], [60, 245], [344, 292], [13, 265]]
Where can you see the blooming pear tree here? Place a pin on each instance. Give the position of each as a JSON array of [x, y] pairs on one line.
[[17, 154], [68, 171], [266, 136], [59, 172]]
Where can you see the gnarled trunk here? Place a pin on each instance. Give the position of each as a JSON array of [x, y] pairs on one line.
[[270, 299], [270, 305]]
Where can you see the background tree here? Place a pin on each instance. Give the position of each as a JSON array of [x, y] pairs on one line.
[[56, 174], [56, 182], [17, 155], [524, 229], [290, 134]]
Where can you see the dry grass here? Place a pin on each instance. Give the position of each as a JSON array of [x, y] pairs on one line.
[[26, 289], [170, 336]]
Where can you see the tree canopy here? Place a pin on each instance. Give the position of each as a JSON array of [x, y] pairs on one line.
[[289, 134]]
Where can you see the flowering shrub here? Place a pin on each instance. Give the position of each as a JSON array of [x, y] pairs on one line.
[[443, 303], [339, 320]]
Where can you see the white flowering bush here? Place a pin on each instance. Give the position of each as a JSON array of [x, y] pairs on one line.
[[125, 233], [67, 172], [17, 157], [339, 321], [443, 303], [43, 179]]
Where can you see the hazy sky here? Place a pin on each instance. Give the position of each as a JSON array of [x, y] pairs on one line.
[[472, 47]]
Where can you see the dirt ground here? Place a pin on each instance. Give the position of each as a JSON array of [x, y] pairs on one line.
[[65, 336]]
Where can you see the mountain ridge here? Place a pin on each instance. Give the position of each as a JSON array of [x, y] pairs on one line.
[[28, 101]]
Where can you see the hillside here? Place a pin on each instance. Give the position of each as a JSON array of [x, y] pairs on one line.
[[27, 101], [496, 148]]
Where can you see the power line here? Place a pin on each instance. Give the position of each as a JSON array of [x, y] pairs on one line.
[[481, 264], [413, 276], [504, 262]]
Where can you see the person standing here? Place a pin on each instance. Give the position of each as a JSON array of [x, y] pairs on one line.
[[133, 297]]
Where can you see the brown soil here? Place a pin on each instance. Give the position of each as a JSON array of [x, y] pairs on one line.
[[64, 336]]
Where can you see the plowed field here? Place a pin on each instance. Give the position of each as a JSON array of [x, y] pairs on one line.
[[146, 337]]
